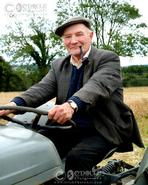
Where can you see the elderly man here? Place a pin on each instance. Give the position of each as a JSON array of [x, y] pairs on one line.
[[88, 89]]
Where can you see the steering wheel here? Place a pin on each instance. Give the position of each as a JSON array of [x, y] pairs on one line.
[[49, 125]]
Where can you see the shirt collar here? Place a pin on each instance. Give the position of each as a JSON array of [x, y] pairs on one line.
[[79, 63]]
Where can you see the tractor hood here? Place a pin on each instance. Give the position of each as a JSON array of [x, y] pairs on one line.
[[26, 157]]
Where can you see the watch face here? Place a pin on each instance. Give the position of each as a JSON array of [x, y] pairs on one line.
[[73, 105]]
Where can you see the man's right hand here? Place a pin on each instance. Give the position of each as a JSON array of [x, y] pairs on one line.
[[6, 112]]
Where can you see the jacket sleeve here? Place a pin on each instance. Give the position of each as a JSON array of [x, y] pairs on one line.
[[104, 81], [42, 91]]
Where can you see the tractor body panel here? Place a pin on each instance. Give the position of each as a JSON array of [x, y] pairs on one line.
[[26, 157]]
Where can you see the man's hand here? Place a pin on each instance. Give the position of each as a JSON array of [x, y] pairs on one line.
[[61, 113], [6, 112]]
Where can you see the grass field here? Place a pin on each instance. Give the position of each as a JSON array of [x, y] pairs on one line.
[[137, 99]]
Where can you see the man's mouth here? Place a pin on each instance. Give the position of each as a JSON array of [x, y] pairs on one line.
[[76, 47]]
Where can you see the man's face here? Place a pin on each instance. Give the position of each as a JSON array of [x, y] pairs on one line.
[[75, 36]]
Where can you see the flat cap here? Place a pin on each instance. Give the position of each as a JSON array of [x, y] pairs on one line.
[[75, 20]]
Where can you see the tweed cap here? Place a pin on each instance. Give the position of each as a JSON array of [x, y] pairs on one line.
[[75, 20]]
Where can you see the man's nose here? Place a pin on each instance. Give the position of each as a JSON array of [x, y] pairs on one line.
[[74, 39]]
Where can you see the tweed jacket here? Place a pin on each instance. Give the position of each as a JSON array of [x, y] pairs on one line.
[[101, 90]]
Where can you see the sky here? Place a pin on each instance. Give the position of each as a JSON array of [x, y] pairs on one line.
[[11, 10]]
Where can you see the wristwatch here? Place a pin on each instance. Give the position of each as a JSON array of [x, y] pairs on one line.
[[73, 105]]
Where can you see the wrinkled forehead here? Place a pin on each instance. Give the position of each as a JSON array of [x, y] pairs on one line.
[[75, 28]]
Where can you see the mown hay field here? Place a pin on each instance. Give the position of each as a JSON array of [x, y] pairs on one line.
[[137, 99]]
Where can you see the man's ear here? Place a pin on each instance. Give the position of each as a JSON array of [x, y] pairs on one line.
[[91, 34]]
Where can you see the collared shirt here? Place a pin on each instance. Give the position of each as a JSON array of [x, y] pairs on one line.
[[79, 63]]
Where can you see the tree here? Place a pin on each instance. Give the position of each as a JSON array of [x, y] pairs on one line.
[[8, 78], [135, 76], [36, 45], [113, 22]]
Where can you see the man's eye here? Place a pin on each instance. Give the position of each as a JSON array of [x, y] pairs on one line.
[[67, 36], [79, 34]]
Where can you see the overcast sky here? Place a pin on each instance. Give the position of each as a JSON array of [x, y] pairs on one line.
[[11, 10], [18, 8]]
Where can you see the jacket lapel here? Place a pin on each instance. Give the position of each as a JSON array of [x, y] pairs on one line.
[[88, 69], [65, 81]]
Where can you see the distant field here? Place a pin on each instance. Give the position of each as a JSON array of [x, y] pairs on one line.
[[5, 97], [137, 99]]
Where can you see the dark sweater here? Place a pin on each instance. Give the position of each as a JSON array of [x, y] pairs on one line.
[[81, 117]]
